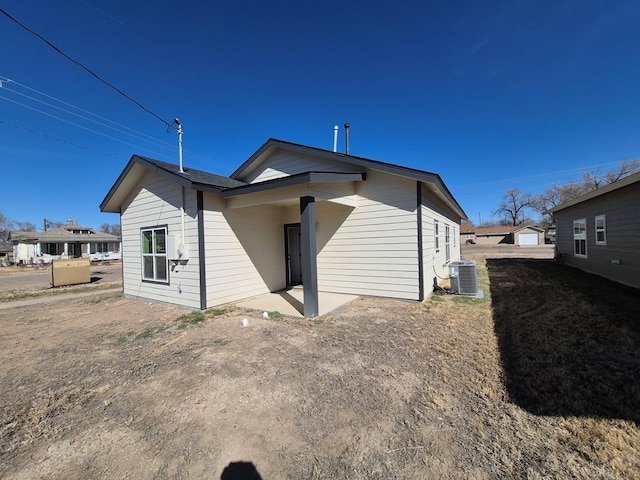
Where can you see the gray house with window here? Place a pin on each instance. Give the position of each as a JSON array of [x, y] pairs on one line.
[[289, 215], [599, 232]]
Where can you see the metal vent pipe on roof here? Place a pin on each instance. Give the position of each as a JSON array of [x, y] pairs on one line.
[[335, 138], [346, 137], [179, 124]]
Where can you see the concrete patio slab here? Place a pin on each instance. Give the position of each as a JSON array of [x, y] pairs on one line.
[[289, 302]]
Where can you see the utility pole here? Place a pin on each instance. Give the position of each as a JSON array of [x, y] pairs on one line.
[[179, 124], [480, 219]]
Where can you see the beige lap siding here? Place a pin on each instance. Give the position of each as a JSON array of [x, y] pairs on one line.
[[244, 251], [283, 164], [152, 203], [435, 263], [371, 249]]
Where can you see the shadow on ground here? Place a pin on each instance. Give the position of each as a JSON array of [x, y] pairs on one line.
[[569, 341]]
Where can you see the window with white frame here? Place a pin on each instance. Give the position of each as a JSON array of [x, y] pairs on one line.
[[580, 237], [447, 244], [601, 230], [436, 234], [155, 265]]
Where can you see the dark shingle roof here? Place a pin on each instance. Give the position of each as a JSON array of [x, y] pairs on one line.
[[194, 176]]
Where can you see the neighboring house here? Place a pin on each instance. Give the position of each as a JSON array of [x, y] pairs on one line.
[[69, 241], [599, 232], [521, 235], [289, 215]]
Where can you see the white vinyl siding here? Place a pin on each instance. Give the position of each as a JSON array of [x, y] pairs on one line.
[[283, 164], [371, 249], [156, 201], [244, 250]]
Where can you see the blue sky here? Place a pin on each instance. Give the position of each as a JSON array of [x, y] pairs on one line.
[[491, 95]]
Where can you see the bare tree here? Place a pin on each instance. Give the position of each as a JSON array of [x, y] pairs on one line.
[[25, 226], [113, 229], [5, 227], [591, 179], [514, 205], [625, 168]]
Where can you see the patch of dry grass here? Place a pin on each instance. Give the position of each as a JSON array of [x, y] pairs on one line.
[[570, 347], [43, 417], [13, 295]]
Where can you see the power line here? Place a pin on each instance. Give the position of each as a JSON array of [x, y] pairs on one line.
[[57, 139], [8, 80], [103, 12], [91, 72], [76, 124], [135, 133], [537, 176], [119, 130]]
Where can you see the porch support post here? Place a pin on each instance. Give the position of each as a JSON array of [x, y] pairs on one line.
[[309, 255]]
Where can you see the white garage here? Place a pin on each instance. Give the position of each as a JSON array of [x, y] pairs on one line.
[[528, 235]]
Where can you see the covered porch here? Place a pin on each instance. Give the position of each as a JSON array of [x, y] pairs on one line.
[[298, 194], [290, 302]]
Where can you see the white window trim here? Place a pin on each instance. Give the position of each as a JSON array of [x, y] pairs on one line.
[[447, 242], [603, 229], [436, 235], [154, 255], [580, 237]]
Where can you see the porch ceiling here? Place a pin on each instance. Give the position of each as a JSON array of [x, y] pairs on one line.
[[332, 187]]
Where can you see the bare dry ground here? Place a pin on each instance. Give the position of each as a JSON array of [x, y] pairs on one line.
[[537, 380]]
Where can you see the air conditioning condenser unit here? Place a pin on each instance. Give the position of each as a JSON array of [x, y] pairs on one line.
[[463, 278]]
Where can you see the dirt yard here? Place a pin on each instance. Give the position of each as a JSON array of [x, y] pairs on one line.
[[540, 379]]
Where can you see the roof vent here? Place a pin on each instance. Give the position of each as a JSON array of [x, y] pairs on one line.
[[346, 137]]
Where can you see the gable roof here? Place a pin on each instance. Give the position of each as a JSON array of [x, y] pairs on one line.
[[64, 234], [431, 179], [189, 178], [200, 180], [626, 181]]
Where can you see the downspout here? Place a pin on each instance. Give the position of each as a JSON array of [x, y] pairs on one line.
[[182, 239], [419, 227]]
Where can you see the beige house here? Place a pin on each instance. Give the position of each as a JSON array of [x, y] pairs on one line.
[[599, 232], [68, 241], [289, 215], [521, 235]]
